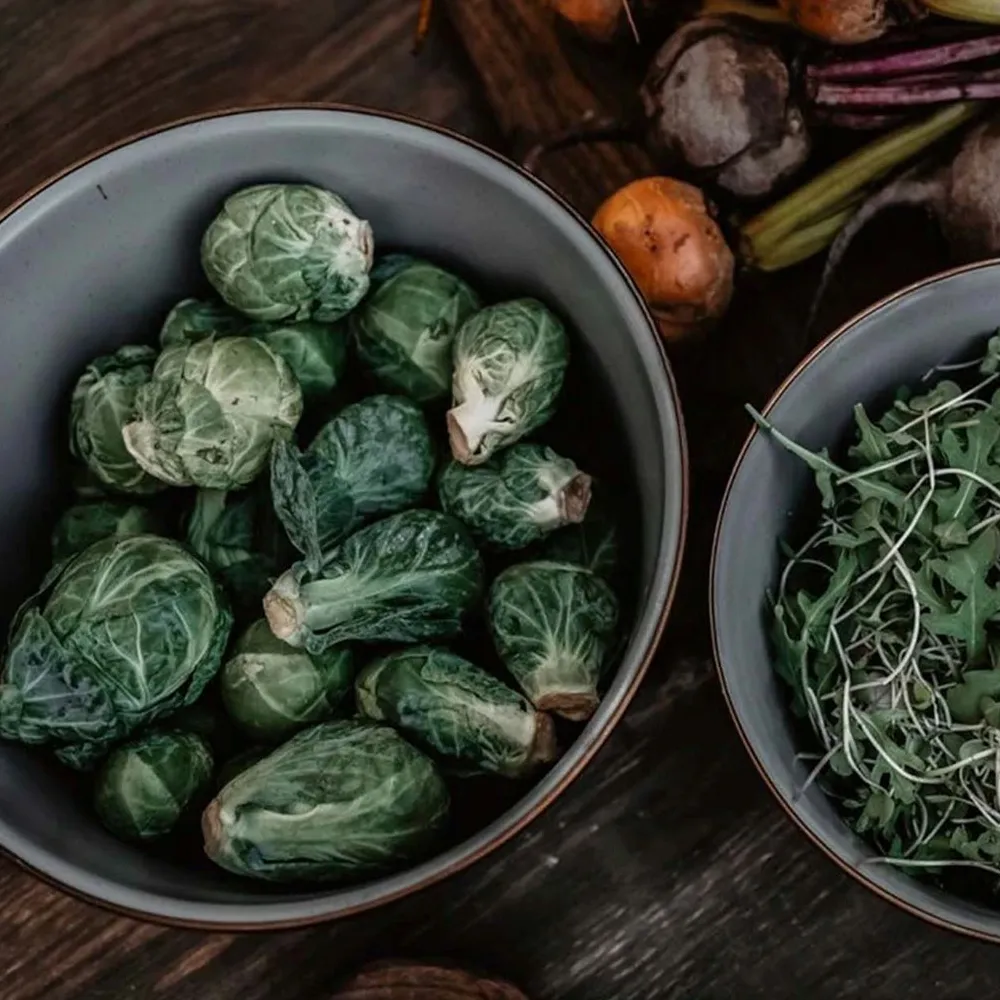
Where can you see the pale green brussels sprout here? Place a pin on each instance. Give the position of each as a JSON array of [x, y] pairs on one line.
[[552, 624], [210, 414], [271, 690], [315, 352], [509, 363], [103, 404], [288, 251], [339, 801], [454, 708], [144, 787], [375, 457], [235, 533], [85, 523], [517, 497], [404, 330], [124, 633], [192, 320], [593, 543], [412, 576]]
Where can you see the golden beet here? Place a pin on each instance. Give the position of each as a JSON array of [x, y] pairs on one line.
[[598, 19], [666, 238], [843, 22]]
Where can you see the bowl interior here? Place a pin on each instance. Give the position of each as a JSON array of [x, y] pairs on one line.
[[946, 319], [94, 261]]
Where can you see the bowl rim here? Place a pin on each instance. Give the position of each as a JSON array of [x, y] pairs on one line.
[[790, 811], [587, 751]]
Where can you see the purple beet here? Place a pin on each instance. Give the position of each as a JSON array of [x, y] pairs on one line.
[[718, 98], [963, 196]]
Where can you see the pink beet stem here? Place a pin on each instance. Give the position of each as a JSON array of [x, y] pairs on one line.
[[902, 63], [904, 94], [860, 121]]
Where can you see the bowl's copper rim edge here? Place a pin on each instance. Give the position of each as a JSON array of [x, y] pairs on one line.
[[600, 738], [855, 873]]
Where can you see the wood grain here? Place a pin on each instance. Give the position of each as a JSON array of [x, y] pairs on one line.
[[666, 870]]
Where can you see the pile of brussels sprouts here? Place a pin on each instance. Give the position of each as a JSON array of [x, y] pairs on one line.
[[247, 621]]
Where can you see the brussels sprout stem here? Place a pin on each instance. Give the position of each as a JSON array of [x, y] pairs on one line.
[[282, 607], [468, 423], [577, 706], [544, 749], [764, 236]]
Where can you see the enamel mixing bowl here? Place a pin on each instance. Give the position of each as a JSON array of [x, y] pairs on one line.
[[947, 318], [93, 257]]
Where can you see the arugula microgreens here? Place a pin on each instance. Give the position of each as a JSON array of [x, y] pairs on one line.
[[886, 624]]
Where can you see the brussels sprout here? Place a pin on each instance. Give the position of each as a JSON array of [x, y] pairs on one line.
[[239, 763], [145, 787], [409, 577], [103, 403], [192, 320], [593, 543], [316, 353], [338, 801], [211, 412], [388, 266], [85, 523], [509, 364], [404, 329], [288, 251], [127, 631], [272, 690], [450, 706], [517, 497], [236, 535], [552, 624], [375, 457]]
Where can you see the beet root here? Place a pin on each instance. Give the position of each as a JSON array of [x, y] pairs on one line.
[[718, 99], [963, 196]]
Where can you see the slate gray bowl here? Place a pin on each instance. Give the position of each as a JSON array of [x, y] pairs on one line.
[[91, 259], [943, 319]]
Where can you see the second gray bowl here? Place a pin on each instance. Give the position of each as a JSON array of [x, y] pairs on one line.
[[895, 343]]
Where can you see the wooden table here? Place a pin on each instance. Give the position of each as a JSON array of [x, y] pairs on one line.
[[666, 870]]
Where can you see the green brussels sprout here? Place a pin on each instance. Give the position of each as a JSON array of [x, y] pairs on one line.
[[388, 266], [211, 412], [375, 457], [448, 705], [509, 363], [404, 330], [316, 353], [124, 633], [288, 251], [593, 543], [237, 536], [103, 404], [192, 320], [552, 624], [85, 523], [339, 801], [411, 576], [271, 690], [517, 497], [145, 787], [239, 763]]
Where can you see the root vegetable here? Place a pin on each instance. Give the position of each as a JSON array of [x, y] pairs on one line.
[[600, 20], [663, 231], [847, 22], [963, 196], [717, 98]]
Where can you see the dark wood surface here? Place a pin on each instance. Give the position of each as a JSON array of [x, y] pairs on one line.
[[666, 870]]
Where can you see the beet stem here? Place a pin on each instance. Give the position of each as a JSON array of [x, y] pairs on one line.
[[905, 94], [904, 63], [814, 201], [745, 8], [859, 120], [806, 242], [980, 11]]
